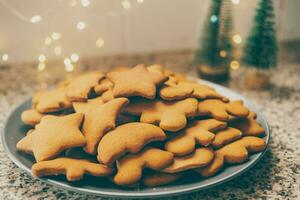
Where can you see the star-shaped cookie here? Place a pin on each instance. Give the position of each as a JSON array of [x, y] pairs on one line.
[[80, 87], [98, 119], [53, 135], [137, 81], [51, 101], [169, 115]]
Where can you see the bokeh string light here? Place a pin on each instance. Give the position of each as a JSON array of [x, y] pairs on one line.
[[53, 40], [4, 57]]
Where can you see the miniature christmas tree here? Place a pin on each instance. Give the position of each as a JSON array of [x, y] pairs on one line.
[[215, 51], [260, 50]]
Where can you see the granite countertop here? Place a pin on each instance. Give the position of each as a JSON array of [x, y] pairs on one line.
[[276, 176]]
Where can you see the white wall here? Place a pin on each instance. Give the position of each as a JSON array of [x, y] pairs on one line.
[[154, 25]]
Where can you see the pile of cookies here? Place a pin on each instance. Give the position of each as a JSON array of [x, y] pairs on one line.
[[141, 125]]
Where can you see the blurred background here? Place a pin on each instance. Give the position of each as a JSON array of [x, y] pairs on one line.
[[66, 34], [59, 28]]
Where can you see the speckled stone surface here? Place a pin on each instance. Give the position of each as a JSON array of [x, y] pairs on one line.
[[276, 176]]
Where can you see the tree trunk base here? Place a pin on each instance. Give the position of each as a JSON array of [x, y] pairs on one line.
[[214, 74], [256, 79]]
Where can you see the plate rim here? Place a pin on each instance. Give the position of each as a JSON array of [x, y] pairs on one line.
[[151, 194]]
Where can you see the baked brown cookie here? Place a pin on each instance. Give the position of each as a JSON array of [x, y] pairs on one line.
[[53, 135], [199, 158], [222, 110], [184, 90], [226, 136], [137, 81], [90, 104], [51, 101], [74, 169], [98, 120], [31, 117], [233, 153], [169, 115], [80, 87], [248, 126], [197, 132], [104, 85], [131, 137], [160, 178], [130, 166]]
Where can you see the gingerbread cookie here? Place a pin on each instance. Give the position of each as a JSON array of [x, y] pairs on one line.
[[222, 110], [199, 158], [31, 117], [131, 137], [226, 136], [233, 153], [169, 115], [183, 90], [84, 107], [107, 95], [202, 132], [53, 135], [130, 166], [160, 70], [74, 169], [137, 81], [160, 178], [80, 87], [249, 126], [103, 86], [98, 120], [51, 101]]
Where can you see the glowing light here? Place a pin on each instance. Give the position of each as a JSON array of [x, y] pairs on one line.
[[213, 18], [234, 65], [55, 36], [223, 53], [140, 1], [48, 41], [5, 57], [42, 58], [35, 19], [57, 50], [85, 3], [69, 68], [41, 66], [126, 4], [100, 42], [81, 25], [67, 61], [235, 1], [237, 38], [74, 57]]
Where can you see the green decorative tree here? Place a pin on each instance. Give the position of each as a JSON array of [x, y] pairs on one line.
[[261, 49], [215, 48]]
